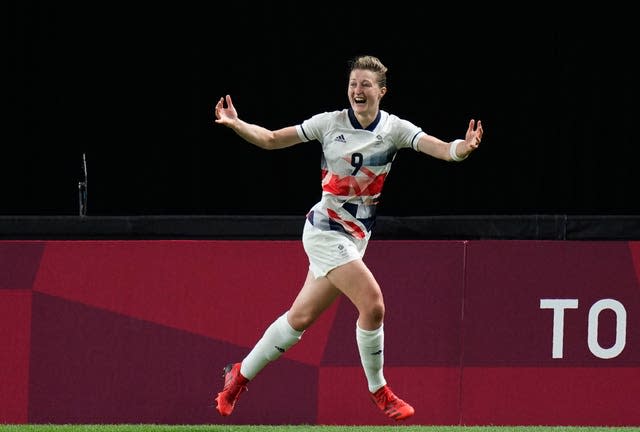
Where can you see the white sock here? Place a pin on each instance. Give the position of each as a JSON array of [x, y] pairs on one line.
[[277, 339], [371, 347]]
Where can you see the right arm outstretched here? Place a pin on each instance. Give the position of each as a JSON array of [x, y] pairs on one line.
[[257, 135]]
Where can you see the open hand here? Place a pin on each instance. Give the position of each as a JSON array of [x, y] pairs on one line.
[[473, 137], [225, 115]]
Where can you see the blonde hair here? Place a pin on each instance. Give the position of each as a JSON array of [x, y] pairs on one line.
[[371, 63]]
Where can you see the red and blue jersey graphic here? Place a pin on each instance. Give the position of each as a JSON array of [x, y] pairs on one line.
[[355, 164]]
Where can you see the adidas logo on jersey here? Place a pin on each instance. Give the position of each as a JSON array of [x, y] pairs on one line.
[[340, 138]]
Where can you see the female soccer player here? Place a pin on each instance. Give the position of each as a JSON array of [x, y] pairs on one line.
[[359, 144]]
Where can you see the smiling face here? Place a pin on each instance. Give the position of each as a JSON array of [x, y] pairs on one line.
[[365, 93]]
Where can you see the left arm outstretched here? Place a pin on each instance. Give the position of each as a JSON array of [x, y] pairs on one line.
[[456, 150]]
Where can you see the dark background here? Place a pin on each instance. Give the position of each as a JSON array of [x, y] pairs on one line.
[[132, 86]]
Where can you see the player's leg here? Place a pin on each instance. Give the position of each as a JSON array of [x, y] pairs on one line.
[[314, 297], [356, 281]]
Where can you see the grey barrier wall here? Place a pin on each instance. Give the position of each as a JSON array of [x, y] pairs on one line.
[[531, 227]]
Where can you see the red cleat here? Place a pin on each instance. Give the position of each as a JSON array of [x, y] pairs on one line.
[[391, 405], [234, 385]]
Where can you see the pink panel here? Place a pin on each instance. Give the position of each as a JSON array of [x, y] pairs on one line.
[[110, 368], [475, 304], [228, 290], [634, 247], [528, 364], [15, 324], [551, 396], [504, 323], [19, 261]]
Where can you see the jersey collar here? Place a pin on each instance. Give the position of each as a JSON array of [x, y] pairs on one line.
[[356, 124]]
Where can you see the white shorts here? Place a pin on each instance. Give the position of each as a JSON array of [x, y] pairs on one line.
[[329, 249]]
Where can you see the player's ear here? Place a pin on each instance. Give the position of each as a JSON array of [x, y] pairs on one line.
[[383, 91]]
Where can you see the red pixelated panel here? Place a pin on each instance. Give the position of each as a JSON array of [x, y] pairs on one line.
[[15, 324], [505, 324], [562, 396], [19, 261], [227, 290], [114, 369], [343, 395], [634, 247]]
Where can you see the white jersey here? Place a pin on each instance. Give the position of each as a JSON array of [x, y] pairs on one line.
[[355, 163]]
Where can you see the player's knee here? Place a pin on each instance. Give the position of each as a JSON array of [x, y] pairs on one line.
[[376, 312], [300, 321]]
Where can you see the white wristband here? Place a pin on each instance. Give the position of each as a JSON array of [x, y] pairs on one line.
[[452, 151]]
